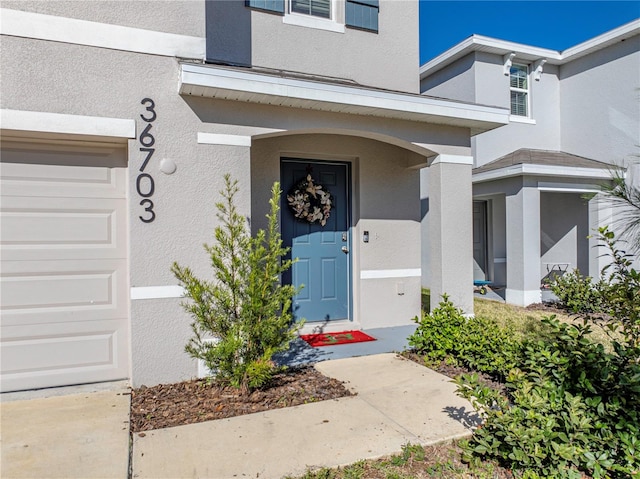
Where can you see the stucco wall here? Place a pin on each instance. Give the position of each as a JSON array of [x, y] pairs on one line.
[[600, 103], [386, 59], [184, 17], [456, 81]]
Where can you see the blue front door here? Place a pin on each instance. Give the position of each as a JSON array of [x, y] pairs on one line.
[[323, 265]]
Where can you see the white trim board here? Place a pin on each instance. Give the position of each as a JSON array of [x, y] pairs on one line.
[[57, 123], [390, 273], [103, 35], [220, 139], [156, 292], [542, 170]]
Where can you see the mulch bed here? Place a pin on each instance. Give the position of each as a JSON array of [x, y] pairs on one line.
[[188, 402]]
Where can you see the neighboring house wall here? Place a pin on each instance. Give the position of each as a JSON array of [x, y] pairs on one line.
[[542, 132], [386, 59], [600, 103], [456, 81], [480, 77]]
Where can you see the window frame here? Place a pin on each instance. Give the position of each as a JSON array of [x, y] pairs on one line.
[[526, 91], [332, 24]]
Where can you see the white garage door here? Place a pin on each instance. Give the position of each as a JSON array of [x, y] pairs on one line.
[[63, 278]]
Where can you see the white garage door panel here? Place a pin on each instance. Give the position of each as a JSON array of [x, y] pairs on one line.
[[57, 180], [37, 292], [56, 228], [63, 277], [49, 357]]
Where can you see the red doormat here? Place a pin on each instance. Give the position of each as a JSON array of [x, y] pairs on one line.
[[331, 339]]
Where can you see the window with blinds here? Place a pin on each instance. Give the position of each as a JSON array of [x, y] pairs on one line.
[[316, 8], [359, 14], [362, 14], [519, 86]]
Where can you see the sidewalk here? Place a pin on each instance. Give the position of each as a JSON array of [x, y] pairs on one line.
[[397, 402]]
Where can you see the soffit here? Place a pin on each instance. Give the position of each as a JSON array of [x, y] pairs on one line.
[[242, 85]]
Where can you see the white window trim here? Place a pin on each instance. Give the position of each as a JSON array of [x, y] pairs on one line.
[[300, 19], [521, 90], [522, 119]]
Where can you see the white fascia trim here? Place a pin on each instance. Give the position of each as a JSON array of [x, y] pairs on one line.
[[541, 170], [156, 292], [58, 123], [372, 100], [613, 36], [220, 139], [501, 47], [479, 42], [567, 187], [390, 273], [103, 35], [453, 159]]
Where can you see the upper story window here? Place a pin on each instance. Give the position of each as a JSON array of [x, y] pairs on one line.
[[362, 14], [321, 14], [519, 86], [316, 8]]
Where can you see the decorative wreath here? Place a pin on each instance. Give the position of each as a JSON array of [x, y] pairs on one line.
[[309, 201]]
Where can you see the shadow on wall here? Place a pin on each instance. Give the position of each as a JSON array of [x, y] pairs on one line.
[[564, 227], [228, 33]]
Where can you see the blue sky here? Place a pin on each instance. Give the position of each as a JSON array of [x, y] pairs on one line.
[[548, 24]]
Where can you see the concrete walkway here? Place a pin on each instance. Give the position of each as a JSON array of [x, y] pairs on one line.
[[87, 435], [397, 402], [71, 436]]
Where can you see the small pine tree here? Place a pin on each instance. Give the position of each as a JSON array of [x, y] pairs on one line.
[[242, 317]]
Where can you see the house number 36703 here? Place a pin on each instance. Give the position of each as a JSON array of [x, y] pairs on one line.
[[145, 186]]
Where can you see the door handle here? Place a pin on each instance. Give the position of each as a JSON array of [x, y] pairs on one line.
[[345, 250]]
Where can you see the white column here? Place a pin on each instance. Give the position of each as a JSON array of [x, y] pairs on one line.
[[523, 246], [451, 230]]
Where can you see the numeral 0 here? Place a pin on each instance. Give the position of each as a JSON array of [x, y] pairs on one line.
[[150, 186]]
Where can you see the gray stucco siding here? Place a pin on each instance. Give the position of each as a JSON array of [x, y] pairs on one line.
[[386, 59], [599, 103], [456, 81], [183, 17]]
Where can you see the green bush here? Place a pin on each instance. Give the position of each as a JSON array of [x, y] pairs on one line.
[[245, 309], [438, 332], [621, 291], [579, 294], [477, 343], [571, 408]]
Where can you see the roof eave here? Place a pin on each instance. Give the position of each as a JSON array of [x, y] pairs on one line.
[[527, 52], [527, 169], [230, 84]]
